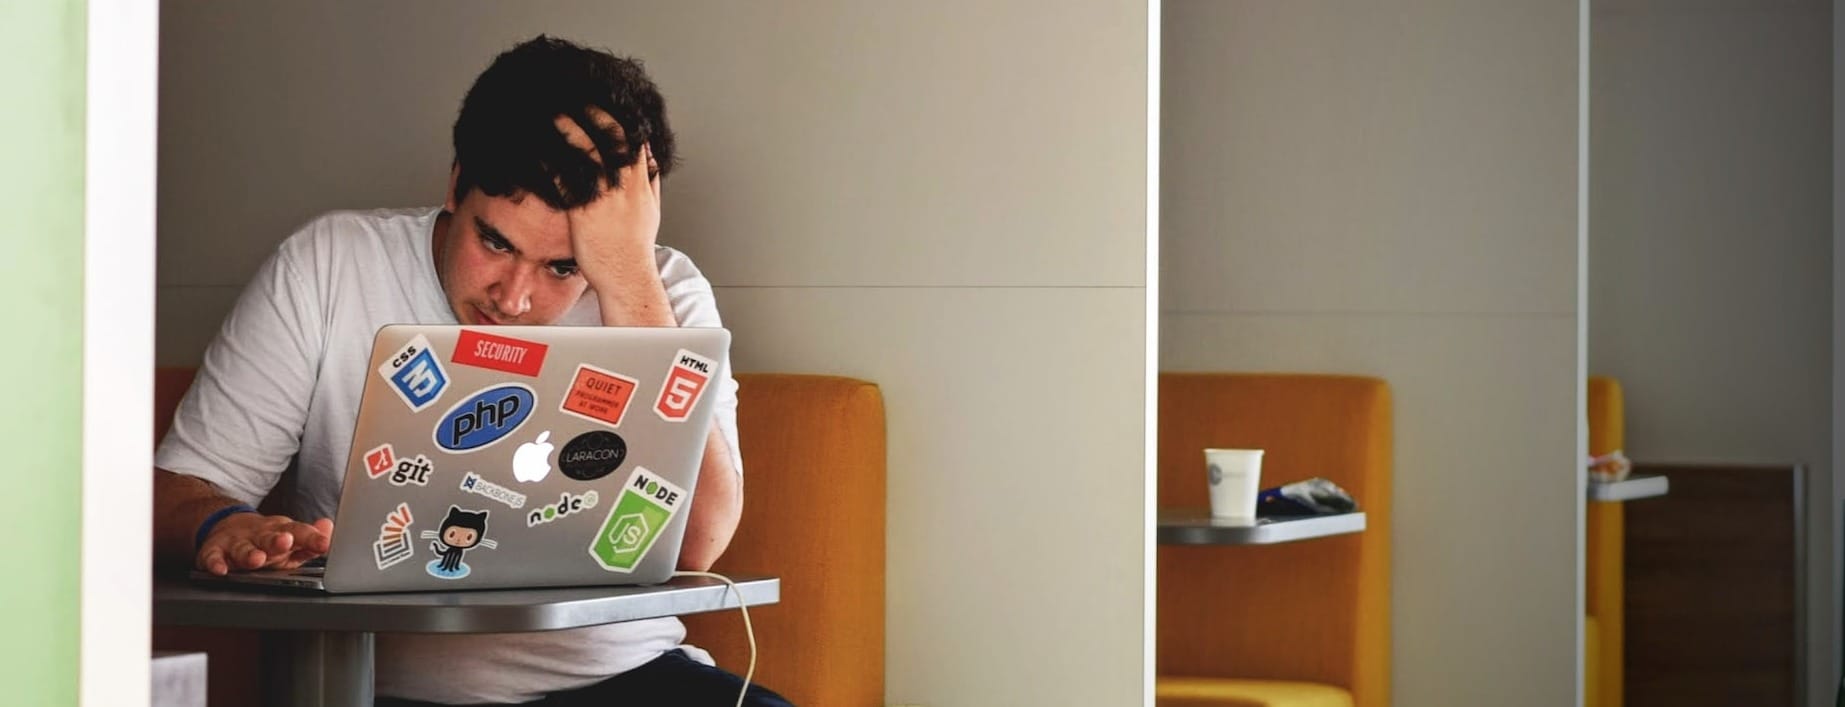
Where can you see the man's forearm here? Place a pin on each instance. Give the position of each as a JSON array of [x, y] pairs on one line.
[[181, 503], [717, 505], [638, 299]]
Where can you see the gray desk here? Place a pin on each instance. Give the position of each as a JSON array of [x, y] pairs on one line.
[[1632, 488], [1191, 526], [324, 655]]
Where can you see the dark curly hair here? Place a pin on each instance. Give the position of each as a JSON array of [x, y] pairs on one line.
[[506, 138]]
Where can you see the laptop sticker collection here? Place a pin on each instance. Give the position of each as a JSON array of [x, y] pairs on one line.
[[487, 416]]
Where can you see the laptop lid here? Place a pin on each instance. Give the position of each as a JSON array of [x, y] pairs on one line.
[[524, 456]]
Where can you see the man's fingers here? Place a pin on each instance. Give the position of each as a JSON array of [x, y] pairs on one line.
[[247, 555], [211, 559]]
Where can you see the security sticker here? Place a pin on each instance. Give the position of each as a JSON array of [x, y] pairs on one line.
[[592, 455], [415, 374], [646, 505], [568, 504], [685, 384], [473, 483], [415, 470], [500, 353], [393, 544], [380, 460], [461, 530], [598, 395]]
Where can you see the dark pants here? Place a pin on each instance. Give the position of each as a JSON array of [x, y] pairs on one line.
[[671, 679]]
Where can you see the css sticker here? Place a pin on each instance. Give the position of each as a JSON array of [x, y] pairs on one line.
[[415, 374], [566, 505], [412, 471], [592, 455], [598, 395], [485, 417], [685, 384], [380, 460], [460, 531], [500, 353], [647, 504], [393, 544], [473, 483]]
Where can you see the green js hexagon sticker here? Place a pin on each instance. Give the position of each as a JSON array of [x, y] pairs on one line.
[[647, 504]]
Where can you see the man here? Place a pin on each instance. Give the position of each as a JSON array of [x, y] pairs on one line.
[[551, 214]]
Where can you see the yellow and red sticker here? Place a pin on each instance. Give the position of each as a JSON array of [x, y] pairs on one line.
[[685, 384], [599, 395], [500, 353]]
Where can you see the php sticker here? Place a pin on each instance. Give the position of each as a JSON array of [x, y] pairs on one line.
[[412, 471], [500, 353], [598, 395], [460, 531], [415, 374], [380, 460], [566, 506], [473, 483], [484, 418], [646, 505], [685, 384], [592, 455], [393, 544]]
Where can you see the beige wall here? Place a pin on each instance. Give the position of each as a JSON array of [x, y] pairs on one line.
[[946, 198], [1711, 246], [1390, 189]]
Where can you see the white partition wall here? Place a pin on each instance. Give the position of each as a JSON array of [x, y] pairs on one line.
[[1392, 189], [948, 199]]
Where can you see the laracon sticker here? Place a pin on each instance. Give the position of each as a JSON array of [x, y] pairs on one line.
[[685, 384], [598, 395], [500, 353], [592, 455], [485, 417], [566, 506], [415, 374], [647, 504], [460, 531], [393, 544], [380, 460], [473, 483], [415, 470]]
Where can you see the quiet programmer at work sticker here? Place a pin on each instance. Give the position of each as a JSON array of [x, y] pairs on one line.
[[646, 505], [598, 395], [415, 375]]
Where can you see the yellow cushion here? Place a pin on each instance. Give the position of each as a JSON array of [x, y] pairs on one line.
[[1591, 662], [1223, 692]]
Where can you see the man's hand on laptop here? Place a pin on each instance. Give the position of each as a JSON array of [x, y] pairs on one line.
[[252, 541]]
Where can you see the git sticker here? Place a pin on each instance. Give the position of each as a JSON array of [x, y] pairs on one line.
[[598, 395], [393, 544], [685, 384], [414, 470], [415, 374], [380, 460], [646, 505]]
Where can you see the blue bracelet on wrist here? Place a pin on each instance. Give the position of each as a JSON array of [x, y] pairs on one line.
[[211, 521]]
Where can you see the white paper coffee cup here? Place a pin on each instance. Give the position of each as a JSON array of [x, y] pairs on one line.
[[1235, 477]]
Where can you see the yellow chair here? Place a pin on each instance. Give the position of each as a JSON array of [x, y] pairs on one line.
[[1605, 539], [1302, 624]]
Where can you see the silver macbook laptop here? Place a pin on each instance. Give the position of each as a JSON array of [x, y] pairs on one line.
[[520, 457]]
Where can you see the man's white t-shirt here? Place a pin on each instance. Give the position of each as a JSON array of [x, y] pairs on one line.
[[279, 389]]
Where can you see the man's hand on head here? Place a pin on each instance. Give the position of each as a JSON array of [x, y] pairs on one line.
[[252, 541], [613, 236]]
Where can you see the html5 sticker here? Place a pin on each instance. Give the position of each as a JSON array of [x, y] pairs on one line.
[[415, 374], [598, 395], [500, 353], [380, 461], [685, 384]]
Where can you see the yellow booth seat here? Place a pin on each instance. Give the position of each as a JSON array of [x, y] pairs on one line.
[[1299, 624], [823, 644], [1604, 573]]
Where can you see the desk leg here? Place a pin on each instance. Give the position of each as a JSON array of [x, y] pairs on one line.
[[318, 669]]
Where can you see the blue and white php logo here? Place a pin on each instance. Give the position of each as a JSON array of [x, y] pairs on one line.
[[484, 418], [415, 374]]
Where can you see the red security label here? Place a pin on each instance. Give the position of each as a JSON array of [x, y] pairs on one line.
[[499, 353], [599, 395], [685, 383]]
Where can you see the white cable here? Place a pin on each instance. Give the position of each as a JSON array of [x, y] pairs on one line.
[[748, 630]]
